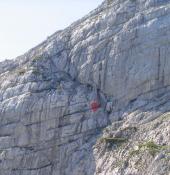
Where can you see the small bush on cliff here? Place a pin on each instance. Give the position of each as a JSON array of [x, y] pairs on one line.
[[115, 140], [149, 146]]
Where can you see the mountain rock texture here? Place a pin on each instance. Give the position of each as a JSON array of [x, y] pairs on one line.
[[117, 56]]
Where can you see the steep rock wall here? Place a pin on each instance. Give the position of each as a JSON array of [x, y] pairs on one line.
[[118, 55]]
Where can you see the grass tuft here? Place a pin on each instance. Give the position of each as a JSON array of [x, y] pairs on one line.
[[115, 140], [149, 146]]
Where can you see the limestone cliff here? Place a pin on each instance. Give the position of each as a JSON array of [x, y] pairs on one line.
[[118, 56]]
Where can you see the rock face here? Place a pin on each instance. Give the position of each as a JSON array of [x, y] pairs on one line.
[[118, 56]]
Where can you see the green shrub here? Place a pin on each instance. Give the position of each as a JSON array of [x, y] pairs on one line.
[[115, 140], [36, 58], [149, 146]]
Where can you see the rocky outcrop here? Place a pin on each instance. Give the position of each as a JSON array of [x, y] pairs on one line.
[[118, 55]]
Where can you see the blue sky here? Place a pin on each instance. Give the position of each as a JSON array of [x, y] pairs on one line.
[[26, 23]]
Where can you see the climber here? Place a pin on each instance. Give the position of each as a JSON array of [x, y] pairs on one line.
[[94, 105], [95, 101]]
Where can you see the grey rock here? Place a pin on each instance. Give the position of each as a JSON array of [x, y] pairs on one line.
[[117, 55]]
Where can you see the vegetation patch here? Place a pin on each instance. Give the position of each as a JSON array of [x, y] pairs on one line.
[[36, 58], [130, 128], [166, 116], [149, 146], [40, 57], [115, 140]]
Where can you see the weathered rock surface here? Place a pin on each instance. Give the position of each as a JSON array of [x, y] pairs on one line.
[[119, 55]]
